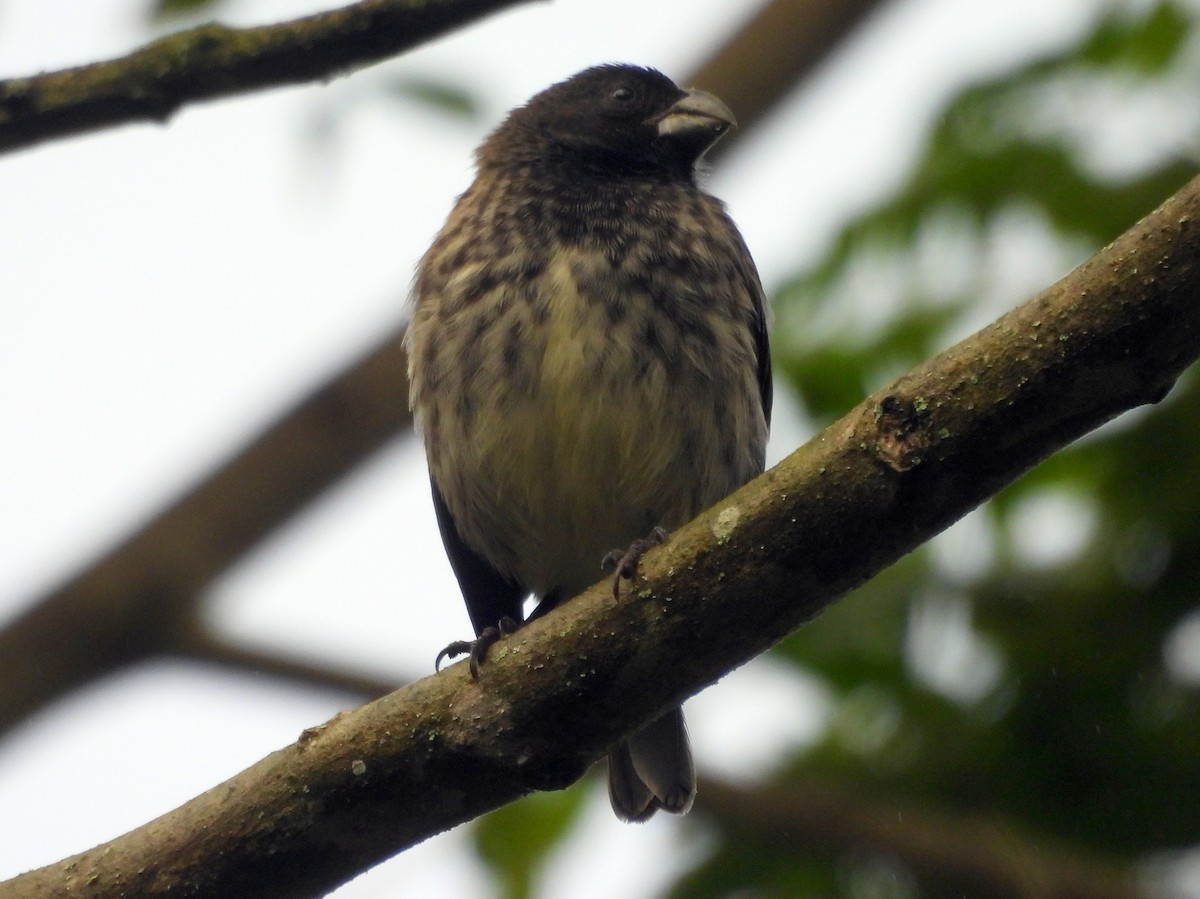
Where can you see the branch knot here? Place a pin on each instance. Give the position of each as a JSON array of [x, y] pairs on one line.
[[902, 437]]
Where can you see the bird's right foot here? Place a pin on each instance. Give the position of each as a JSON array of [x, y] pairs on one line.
[[477, 649], [624, 562]]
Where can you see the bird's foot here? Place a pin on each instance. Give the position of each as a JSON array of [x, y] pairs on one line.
[[624, 562], [478, 648]]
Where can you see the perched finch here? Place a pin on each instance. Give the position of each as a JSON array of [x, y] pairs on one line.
[[589, 363]]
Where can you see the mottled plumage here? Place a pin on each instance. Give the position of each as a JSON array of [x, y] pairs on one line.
[[588, 359]]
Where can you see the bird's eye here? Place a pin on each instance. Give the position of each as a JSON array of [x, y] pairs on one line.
[[622, 95]]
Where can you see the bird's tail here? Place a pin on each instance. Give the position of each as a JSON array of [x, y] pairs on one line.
[[653, 769]]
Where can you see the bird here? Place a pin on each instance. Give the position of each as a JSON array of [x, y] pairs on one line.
[[588, 364]]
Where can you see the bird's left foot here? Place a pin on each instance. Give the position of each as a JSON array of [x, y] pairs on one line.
[[624, 562], [478, 648]]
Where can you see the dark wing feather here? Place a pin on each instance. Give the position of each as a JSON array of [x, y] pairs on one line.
[[762, 346], [489, 595], [752, 284]]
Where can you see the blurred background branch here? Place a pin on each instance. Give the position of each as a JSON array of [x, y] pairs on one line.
[[141, 598], [967, 854], [772, 53]]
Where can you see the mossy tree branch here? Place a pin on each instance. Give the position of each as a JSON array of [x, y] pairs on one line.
[[1112, 335], [211, 61]]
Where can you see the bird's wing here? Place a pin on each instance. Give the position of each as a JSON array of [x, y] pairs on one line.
[[489, 595], [760, 315], [762, 345]]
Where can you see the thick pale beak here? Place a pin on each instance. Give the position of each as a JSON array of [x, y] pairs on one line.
[[698, 119]]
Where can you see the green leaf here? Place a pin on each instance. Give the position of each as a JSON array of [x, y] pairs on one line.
[[515, 841], [170, 9], [440, 96], [1146, 45]]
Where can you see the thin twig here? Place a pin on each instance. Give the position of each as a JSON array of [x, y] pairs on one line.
[[200, 644], [211, 61]]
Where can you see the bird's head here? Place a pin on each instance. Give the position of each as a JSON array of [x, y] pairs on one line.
[[619, 118]]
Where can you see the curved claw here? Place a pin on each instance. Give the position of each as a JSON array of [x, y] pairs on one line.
[[477, 649], [624, 562], [457, 648]]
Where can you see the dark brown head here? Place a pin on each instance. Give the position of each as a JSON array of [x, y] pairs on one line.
[[612, 119]]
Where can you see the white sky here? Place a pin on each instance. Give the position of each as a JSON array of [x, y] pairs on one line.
[[168, 290]]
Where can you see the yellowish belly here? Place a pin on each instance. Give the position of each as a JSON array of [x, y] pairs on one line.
[[600, 444]]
